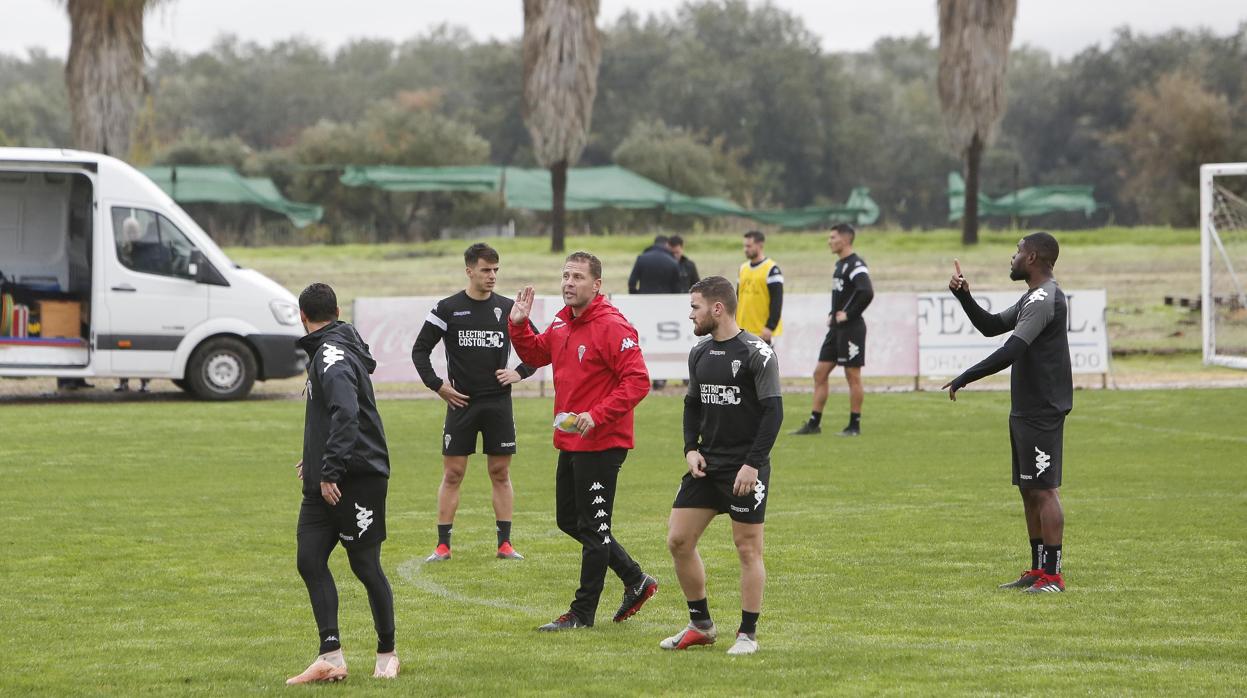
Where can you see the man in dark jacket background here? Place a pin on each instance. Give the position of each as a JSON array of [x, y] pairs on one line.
[[345, 472], [655, 270], [688, 270]]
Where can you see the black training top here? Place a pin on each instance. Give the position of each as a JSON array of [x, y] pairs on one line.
[[851, 290], [733, 408], [477, 344], [1042, 381]]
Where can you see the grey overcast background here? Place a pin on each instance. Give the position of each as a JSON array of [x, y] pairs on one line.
[[1063, 27]]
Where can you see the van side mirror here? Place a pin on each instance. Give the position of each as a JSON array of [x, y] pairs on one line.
[[195, 267], [199, 269]]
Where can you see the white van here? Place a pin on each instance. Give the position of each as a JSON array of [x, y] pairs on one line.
[[102, 274]]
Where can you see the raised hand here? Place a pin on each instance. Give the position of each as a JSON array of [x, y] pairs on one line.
[[523, 305], [958, 282]]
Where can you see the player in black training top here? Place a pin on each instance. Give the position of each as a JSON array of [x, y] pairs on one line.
[[1042, 388], [845, 343], [732, 414], [345, 471], [473, 326]]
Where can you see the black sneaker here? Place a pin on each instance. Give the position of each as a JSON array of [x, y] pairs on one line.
[[808, 428], [567, 621], [850, 431], [635, 597], [1027, 578]]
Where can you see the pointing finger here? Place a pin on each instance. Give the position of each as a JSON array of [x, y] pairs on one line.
[[957, 266]]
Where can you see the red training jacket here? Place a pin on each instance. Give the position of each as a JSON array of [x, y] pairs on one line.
[[598, 368]]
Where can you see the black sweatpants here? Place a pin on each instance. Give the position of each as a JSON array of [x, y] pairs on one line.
[[317, 535], [585, 501]]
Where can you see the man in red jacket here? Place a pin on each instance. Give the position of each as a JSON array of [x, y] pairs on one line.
[[599, 378]]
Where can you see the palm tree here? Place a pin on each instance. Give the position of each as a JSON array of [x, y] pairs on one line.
[[562, 51], [974, 56], [104, 72]]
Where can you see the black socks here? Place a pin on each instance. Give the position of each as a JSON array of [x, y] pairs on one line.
[[1052, 559], [748, 623], [1036, 553], [699, 613], [443, 534], [855, 420], [329, 641], [816, 418], [504, 531]]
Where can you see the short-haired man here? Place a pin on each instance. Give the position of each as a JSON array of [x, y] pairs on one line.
[[345, 472], [688, 269], [599, 378], [845, 343], [473, 326], [759, 290], [1042, 390], [655, 270], [732, 414]]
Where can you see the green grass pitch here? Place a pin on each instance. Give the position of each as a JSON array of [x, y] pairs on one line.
[[148, 549]]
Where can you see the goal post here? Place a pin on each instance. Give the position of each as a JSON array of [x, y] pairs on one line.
[[1223, 263]]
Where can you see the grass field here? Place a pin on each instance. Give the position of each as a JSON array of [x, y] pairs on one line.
[[1137, 266], [149, 550]]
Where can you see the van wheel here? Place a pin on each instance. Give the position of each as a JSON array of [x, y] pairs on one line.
[[221, 369]]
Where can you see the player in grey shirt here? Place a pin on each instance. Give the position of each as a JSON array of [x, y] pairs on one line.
[[1042, 390]]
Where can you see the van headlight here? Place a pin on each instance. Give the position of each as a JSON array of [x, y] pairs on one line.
[[285, 312]]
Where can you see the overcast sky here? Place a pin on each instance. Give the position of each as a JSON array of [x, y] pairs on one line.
[[1063, 27]]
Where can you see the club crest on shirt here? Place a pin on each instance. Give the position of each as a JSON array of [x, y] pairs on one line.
[[580, 353], [735, 366], [498, 314]]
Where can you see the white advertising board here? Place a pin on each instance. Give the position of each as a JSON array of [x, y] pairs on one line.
[[948, 344]]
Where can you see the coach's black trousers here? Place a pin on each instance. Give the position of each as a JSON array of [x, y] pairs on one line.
[[585, 491]]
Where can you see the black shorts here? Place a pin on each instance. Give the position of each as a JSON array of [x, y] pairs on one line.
[[714, 491], [845, 345], [359, 516], [1036, 443], [491, 417]]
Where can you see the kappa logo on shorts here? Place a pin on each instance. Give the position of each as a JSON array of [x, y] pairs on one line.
[[759, 493], [445, 440], [507, 444], [580, 353], [498, 314], [1042, 461], [735, 366], [854, 350], [332, 355], [363, 517], [739, 510]]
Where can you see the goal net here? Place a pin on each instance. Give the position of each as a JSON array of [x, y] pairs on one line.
[[1223, 262]]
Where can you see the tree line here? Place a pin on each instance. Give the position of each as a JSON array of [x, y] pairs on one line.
[[716, 98]]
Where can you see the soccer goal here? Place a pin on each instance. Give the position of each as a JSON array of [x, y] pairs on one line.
[[1223, 262]]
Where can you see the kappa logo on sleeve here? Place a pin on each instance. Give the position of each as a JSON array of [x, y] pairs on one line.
[[764, 349], [332, 355], [1038, 295], [626, 344]]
